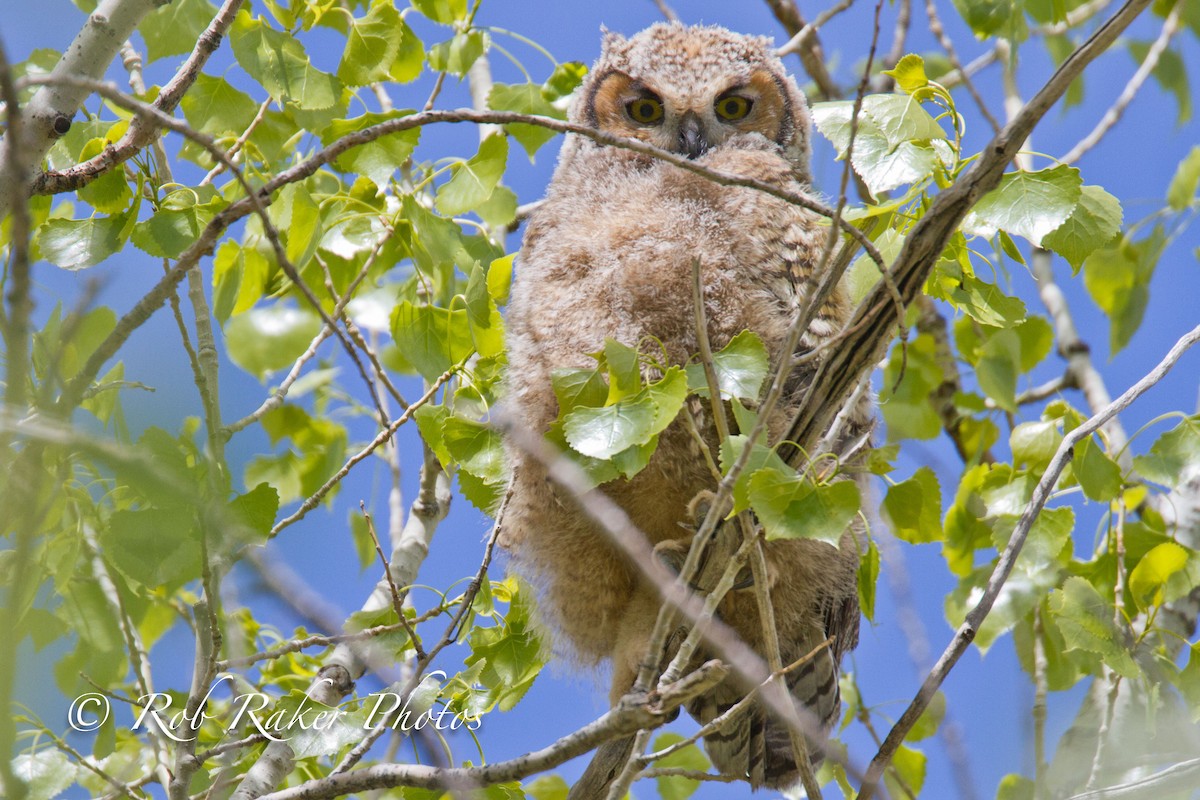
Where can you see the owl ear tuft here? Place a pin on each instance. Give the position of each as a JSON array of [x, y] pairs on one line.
[[610, 39]]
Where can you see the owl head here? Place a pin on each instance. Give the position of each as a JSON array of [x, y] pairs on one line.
[[688, 89]]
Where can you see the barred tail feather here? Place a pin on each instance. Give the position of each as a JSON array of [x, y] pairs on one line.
[[755, 745]]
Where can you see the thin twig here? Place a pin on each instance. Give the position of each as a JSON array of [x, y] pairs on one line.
[[397, 601], [938, 30], [666, 10], [384, 435], [1114, 114]]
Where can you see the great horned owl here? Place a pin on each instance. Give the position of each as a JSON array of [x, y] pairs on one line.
[[610, 254]]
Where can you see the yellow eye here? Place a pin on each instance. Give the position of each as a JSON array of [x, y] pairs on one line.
[[733, 107], [645, 110]]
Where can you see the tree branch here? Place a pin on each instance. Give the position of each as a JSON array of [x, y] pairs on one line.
[[49, 112]]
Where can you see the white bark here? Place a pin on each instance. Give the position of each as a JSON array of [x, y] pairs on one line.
[[48, 114]]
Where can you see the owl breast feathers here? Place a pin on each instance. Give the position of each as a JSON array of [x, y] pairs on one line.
[[610, 254]]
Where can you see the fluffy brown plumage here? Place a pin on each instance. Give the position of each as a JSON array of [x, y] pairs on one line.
[[610, 254]]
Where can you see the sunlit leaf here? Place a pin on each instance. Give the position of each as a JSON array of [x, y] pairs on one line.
[[913, 508], [174, 27], [266, 339], [1028, 204], [1086, 621], [793, 507], [1152, 572], [1093, 223], [278, 61], [475, 179]]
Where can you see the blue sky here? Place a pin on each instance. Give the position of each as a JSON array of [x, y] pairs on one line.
[[989, 697]]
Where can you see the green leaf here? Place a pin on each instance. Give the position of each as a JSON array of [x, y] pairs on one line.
[[215, 107], [80, 243], [154, 546], [565, 79], [511, 654], [987, 17], [1189, 682], [46, 773], [174, 27], [907, 409], [278, 61], [109, 193], [1118, 279], [902, 118], [1150, 576], [410, 56], [603, 432], [578, 387], [432, 339], [1086, 621], [887, 153], [760, 456], [499, 279], [1016, 787], [624, 369], [868, 577], [1028, 204], [315, 729], [372, 44], [1174, 456], [475, 179], [548, 787], [1171, 74], [914, 508], [429, 421], [909, 74], [1093, 223], [256, 509], [740, 366], [444, 11], [793, 507], [177, 223], [676, 787], [930, 720], [984, 302], [525, 98], [377, 159], [1098, 475], [998, 368], [476, 447], [266, 339], [1182, 191], [910, 766], [456, 55], [1033, 444], [630, 422]]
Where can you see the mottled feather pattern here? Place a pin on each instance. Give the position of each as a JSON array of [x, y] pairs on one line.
[[610, 253]]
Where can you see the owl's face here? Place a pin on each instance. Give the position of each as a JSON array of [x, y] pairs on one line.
[[688, 89]]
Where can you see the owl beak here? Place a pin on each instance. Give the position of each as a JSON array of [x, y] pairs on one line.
[[691, 136]]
